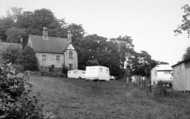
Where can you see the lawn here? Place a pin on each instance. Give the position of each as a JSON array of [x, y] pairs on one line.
[[82, 99]]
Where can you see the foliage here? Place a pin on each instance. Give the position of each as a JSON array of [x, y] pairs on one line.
[[64, 69], [185, 25], [15, 99], [15, 35], [186, 56], [141, 63], [11, 55], [5, 24], [28, 59]]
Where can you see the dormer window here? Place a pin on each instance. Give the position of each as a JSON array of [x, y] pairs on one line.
[[43, 58]]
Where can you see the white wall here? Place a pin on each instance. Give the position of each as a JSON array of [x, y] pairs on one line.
[[97, 72], [164, 75], [181, 77], [50, 60], [74, 60]]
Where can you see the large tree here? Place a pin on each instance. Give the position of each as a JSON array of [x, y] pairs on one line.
[[185, 25], [142, 63], [5, 24], [15, 35]]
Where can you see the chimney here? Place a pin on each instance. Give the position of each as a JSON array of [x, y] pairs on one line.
[[69, 36], [45, 33]]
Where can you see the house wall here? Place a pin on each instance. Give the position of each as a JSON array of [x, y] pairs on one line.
[[164, 75], [50, 60], [71, 60], [182, 77], [187, 73]]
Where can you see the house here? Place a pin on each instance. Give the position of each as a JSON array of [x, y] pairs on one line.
[[53, 51], [181, 76], [5, 45], [162, 72]]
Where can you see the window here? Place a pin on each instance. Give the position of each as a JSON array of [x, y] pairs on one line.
[[70, 54], [43, 58], [57, 58]]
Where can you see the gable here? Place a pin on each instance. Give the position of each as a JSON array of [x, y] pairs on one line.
[[70, 47], [52, 45]]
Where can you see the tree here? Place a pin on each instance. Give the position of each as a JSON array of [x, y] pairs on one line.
[[87, 49], [77, 32], [28, 59], [15, 35], [11, 55], [142, 63], [185, 25], [5, 23]]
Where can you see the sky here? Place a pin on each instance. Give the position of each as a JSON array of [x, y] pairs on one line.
[[150, 23]]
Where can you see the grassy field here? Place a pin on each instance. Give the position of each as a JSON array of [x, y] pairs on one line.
[[81, 99]]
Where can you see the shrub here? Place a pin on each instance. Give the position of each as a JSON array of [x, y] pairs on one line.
[[28, 59], [16, 101], [64, 69]]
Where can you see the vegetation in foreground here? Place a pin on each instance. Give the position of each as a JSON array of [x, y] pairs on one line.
[[82, 99]]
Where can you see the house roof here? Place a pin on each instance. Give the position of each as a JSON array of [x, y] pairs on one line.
[[51, 45], [164, 67], [181, 62]]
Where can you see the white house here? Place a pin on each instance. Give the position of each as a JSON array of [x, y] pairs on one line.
[[53, 51], [181, 76], [161, 73]]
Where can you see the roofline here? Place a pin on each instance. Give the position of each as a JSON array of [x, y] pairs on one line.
[[164, 70], [48, 36], [181, 62], [50, 52]]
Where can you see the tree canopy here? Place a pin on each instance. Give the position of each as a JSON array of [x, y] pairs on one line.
[[185, 25]]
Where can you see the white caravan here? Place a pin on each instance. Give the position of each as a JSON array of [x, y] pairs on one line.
[[97, 73], [161, 73], [76, 74]]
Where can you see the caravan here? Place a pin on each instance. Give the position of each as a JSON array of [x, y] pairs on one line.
[[76, 74], [97, 73]]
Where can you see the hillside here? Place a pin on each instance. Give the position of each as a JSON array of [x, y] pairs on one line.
[[81, 99]]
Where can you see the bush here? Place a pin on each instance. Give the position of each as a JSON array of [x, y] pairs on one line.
[[16, 101], [64, 69], [28, 59]]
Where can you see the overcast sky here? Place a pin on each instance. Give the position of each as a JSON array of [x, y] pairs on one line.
[[149, 22]]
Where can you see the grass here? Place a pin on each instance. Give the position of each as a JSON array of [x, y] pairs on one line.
[[82, 99]]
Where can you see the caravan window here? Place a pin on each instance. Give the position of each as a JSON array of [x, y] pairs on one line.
[[107, 70]]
